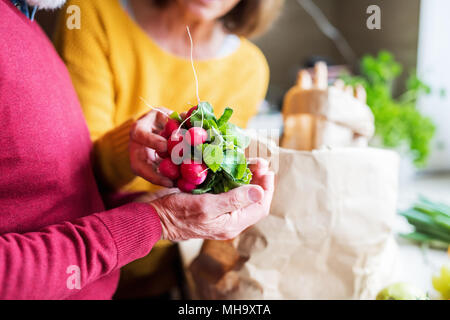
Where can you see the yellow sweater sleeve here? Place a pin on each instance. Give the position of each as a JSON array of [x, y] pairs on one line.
[[85, 52]]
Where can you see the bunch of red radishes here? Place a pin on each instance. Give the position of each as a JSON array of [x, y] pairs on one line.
[[205, 153], [190, 173]]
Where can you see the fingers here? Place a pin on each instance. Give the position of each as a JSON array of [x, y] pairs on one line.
[[148, 139], [234, 200], [154, 120], [349, 90], [167, 112], [304, 80], [265, 181], [253, 215], [321, 77], [143, 166], [242, 219], [150, 155], [339, 84], [258, 166], [361, 94], [262, 176], [157, 110], [150, 173], [161, 118]]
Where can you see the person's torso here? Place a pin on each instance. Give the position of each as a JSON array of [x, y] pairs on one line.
[[45, 168]]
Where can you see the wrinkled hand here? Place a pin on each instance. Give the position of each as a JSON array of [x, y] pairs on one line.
[[145, 143], [218, 217]]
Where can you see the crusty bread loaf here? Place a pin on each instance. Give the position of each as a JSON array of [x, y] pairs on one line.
[[316, 115]]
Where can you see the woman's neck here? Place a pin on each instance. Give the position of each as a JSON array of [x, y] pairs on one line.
[[167, 27]]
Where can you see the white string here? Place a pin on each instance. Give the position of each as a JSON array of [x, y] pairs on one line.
[[153, 108], [196, 87], [185, 120], [193, 68], [198, 174], [192, 63]]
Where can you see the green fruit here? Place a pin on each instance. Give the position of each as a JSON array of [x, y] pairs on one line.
[[401, 291]]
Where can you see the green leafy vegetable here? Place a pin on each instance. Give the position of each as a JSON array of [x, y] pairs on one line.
[[235, 163], [225, 117], [431, 222], [204, 115], [223, 153], [176, 116], [213, 156], [397, 120]]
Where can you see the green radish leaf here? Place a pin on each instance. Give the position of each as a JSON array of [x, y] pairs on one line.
[[242, 139], [203, 113], [234, 164], [227, 113], [175, 116], [209, 124], [228, 145], [212, 124], [213, 156], [207, 185], [214, 136], [218, 186], [201, 190], [232, 133], [228, 130], [223, 154], [230, 182], [247, 178]]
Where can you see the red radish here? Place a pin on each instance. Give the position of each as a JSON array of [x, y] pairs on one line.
[[196, 136], [175, 139], [194, 173], [169, 169], [163, 155], [191, 110], [185, 186], [170, 127]]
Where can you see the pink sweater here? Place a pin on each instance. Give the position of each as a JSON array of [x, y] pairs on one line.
[[51, 213]]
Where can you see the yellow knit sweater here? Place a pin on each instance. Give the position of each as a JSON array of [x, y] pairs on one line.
[[113, 63]]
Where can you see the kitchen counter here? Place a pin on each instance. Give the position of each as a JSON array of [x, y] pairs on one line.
[[418, 264]]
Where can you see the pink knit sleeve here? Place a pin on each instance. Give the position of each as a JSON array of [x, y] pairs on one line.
[[44, 264]]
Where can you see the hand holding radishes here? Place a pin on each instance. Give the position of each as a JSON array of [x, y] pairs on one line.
[[217, 216], [205, 154], [147, 145]]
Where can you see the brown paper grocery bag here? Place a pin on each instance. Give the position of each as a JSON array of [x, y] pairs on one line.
[[328, 236]]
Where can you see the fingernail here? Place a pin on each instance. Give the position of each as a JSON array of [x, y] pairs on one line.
[[255, 194]]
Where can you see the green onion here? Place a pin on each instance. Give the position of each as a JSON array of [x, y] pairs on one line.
[[431, 221]]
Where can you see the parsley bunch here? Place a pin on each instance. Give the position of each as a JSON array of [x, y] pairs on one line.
[[398, 122]]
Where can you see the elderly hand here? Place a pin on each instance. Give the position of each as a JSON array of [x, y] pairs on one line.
[[145, 143], [219, 217]]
